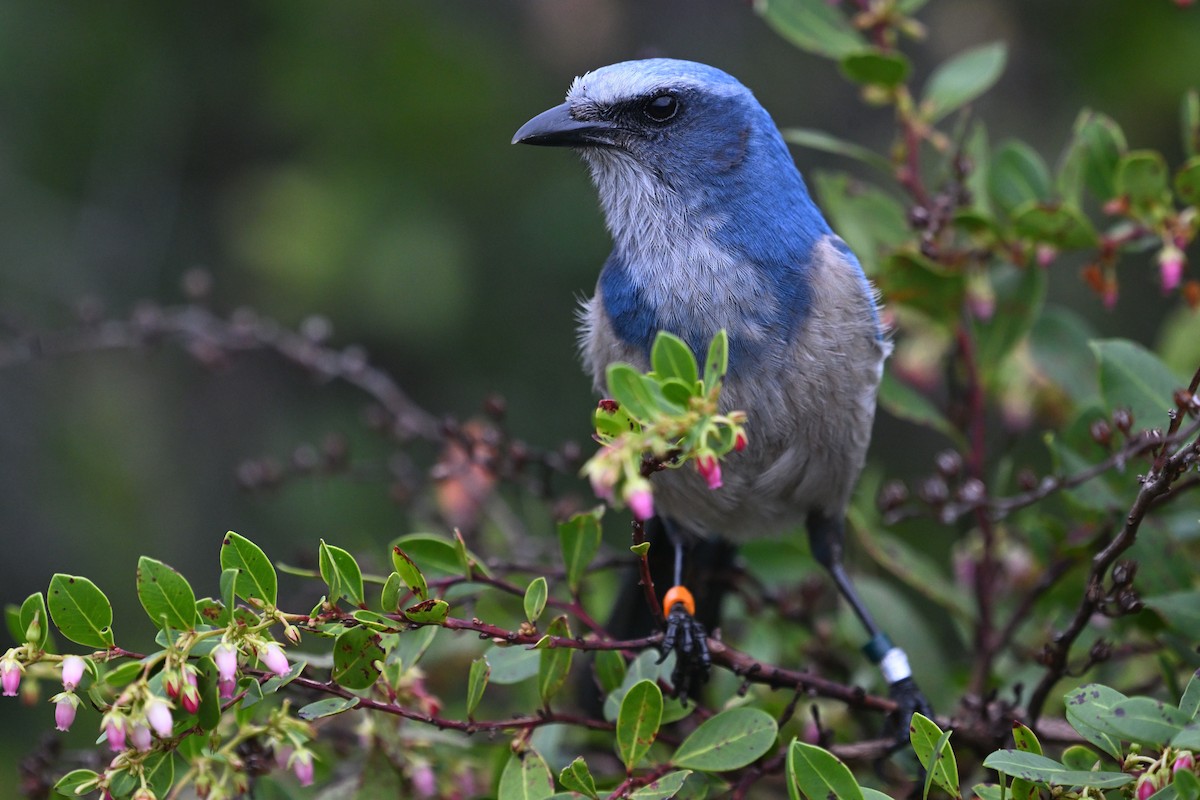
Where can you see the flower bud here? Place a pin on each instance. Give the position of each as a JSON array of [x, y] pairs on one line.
[[640, 500], [189, 694], [139, 737], [424, 781], [72, 671], [65, 704], [1183, 761], [1145, 788], [739, 441], [710, 469], [225, 657], [272, 656], [1170, 267], [144, 793], [158, 714], [114, 731], [10, 675], [302, 766]]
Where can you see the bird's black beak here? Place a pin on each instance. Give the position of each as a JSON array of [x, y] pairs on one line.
[[556, 127]]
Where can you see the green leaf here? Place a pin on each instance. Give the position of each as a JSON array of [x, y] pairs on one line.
[[356, 654], [1020, 294], [1032, 767], [910, 279], [166, 595], [1186, 784], [1187, 181], [326, 708], [876, 68], [1088, 708], [1090, 160], [440, 554], [906, 403], [1063, 226], [74, 779], [1145, 720], [1025, 739], [626, 386], [963, 78], [1180, 611], [428, 612], [730, 740], [662, 788], [1189, 704], [408, 571], [1189, 123], [555, 662], [535, 599], [935, 755], [1017, 176], [819, 775], [341, 574], [1079, 757], [33, 616], [80, 610], [578, 778], [579, 537], [716, 361], [873, 222], [815, 26], [913, 567], [1134, 378], [526, 777], [638, 722], [670, 357], [256, 577], [828, 143], [389, 597], [1142, 177], [610, 669], [511, 665], [477, 680]]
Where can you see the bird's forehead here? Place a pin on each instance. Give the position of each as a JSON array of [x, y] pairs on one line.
[[630, 79]]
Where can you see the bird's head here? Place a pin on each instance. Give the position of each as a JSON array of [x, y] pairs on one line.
[[677, 140]]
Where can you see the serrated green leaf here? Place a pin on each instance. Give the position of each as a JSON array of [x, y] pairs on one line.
[[477, 680], [1017, 176], [828, 143], [819, 775], [662, 788], [526, 777], [815, 26], [555, 662], [1132, 377], [1032, 767], [963, 78], [326, 708], [166, 595], [356, 655], [341, 574], [33, 610], [670, 357], [80, 611], [255, 578], [408, 571], [730, 740], [578, 778], [934, 752], [535, 599], [876, 67], [638, 721], [579, 538]]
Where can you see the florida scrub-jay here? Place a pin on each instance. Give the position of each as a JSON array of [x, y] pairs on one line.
[[713, 228]]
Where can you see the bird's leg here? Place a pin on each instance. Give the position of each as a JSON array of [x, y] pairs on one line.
[[826, 535], [685, 635]]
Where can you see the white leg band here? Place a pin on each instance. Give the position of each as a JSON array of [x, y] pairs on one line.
[[894, 666]]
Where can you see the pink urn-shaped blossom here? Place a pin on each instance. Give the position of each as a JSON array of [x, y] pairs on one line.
[[641, 502], [1170, 267], [1145, 788], [139, 737], [710, 469], [10, 676], [1183, 761], [64, 710], [189, 693], [114, 731], [226, 660], [72, 671], [158, 715], [272, 656], [302, 766]]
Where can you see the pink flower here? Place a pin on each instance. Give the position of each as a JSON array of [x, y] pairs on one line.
[[64, 710], [1045, 255], [114, 730], [10, 676], [710, 469], [139, 737], [424, 782], [272, 656], [641, 503], [189, 695], [72, 671], [158, 714], [1170, 267], [1145, 788], [739, 441], [302, 766], [1183, 761]]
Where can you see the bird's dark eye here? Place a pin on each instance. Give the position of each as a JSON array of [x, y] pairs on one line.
[[662, 107]]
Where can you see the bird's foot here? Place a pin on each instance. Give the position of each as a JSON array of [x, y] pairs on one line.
[[688, 639], [909, 700]]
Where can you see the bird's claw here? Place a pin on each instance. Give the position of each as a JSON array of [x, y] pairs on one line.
[[909, 700], [688, 639]]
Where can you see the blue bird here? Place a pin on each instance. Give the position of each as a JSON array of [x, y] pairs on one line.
[[712, 228]]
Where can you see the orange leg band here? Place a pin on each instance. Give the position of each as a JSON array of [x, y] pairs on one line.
[[679, 594]]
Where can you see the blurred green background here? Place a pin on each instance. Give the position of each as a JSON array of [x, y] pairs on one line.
[[353, 160]]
